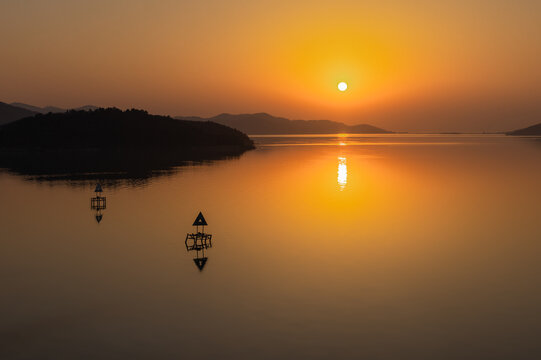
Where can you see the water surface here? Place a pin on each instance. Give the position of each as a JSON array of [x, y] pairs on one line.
[[324, 247]]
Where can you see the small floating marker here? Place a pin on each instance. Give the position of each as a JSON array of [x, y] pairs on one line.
[[199, 241], [200, 220], [99, 217]]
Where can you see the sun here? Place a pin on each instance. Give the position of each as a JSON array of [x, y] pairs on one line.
[[342, 86]]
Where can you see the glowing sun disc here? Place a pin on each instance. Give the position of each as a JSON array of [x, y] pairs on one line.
[[342, 86]]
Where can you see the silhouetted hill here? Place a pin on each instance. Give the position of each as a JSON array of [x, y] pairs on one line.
[[110, 143], [113, 128], [531, 130], [48, 109], [10, 113], [263, 124]]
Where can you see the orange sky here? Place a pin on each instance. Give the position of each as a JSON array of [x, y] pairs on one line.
[[415, 65]]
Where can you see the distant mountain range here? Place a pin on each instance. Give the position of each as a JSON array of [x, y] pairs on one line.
[[255, 124], [50, 109], [16, 111], [9, 113], [39, 110], [265, 124], [534, 130]]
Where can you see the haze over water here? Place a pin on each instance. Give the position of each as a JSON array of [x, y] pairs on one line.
[[324, 247]]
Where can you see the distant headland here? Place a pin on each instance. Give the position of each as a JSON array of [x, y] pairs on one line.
[[534, 130], [266, 124]]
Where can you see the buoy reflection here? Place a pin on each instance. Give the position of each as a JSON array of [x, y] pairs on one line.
[[98, 203], [342, 173]]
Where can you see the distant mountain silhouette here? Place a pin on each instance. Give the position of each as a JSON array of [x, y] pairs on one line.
[[531, 130], [48, 109], [9, 113], [119, 144], [87, 108], [265, 124], [28, 107]]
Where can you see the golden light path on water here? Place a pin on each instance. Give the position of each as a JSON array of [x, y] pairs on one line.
[[342, 164], [342, 172]]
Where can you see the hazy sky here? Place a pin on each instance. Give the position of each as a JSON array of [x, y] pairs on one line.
[[410, 65]]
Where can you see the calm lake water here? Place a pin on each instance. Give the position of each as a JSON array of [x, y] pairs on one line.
[[324, 247]]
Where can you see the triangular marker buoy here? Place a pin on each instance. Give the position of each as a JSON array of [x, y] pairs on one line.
[[200, 263], [98, 188], [98, 218], [200, 220]]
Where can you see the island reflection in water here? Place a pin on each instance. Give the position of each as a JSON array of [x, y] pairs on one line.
[[110, 168], [429, 251]]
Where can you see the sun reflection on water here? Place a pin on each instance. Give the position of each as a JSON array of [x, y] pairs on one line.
[[342, 173]]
